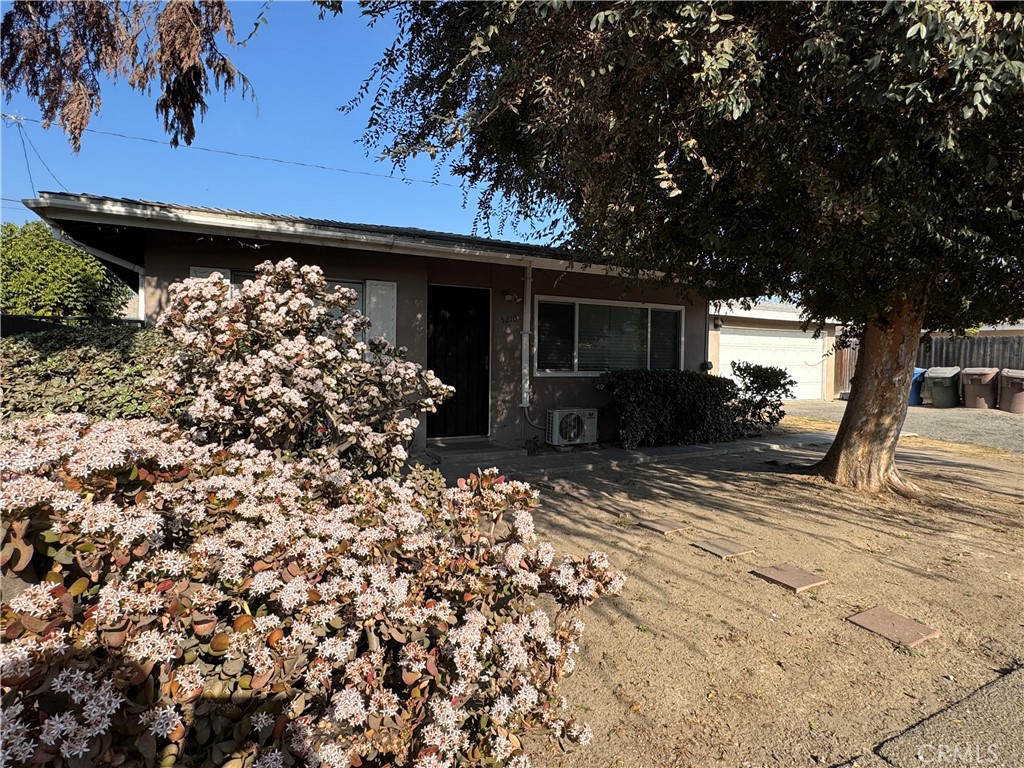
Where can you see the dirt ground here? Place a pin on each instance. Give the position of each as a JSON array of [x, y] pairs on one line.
[[698, 663]]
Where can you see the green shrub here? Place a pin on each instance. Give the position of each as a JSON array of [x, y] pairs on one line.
[[43, 276], [671, 407], [686, 407], [762, 388], [100, 372]]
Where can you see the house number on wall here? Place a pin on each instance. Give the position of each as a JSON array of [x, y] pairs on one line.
[[510, 318]]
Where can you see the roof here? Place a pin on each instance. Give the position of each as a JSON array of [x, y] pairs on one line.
[[781, 311], [105, 223]]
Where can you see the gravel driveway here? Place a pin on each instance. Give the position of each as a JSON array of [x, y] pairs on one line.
[[996, 429]]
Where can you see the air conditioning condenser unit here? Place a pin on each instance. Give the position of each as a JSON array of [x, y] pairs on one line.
[[572, 426]]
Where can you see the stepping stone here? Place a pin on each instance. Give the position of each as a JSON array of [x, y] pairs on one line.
[[726, 549], [662, 526], [893, 627], [789, 576]]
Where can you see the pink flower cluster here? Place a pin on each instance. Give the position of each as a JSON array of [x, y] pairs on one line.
[[193, 587]]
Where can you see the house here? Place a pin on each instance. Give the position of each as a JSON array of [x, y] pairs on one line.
[[771, 333], [516, 328]]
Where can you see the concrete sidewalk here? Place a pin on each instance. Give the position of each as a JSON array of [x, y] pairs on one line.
[[547, 466], [985, 729]]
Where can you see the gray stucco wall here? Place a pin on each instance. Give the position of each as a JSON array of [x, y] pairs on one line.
[[170, 255]]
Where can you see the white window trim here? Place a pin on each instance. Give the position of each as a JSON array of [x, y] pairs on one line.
[[576, 301]]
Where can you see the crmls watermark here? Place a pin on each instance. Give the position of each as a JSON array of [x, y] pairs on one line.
[[958, 754]]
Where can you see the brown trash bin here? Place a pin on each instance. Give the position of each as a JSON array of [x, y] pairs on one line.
[[1011, 390], [979, 387]]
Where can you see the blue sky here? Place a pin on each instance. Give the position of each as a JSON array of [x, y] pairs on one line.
[[302, 69]]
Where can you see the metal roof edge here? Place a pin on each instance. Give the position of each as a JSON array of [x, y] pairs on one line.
[[169, 216]]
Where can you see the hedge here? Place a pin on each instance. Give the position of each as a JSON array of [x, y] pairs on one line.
[[686, 407], [99, 372], [671, 407]]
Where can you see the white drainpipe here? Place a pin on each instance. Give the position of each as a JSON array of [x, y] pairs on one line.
[[527, 330], [142, 296]]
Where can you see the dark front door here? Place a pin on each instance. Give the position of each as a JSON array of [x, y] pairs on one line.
[[458, 351]]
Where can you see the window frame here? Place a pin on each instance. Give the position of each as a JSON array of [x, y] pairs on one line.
[[538, 299]]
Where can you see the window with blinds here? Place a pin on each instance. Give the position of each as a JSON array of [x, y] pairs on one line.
[[611, 338], [665, 340], [556, 336], [576, 337]]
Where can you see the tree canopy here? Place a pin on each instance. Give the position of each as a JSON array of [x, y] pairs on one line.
[[43, 276], [60, 52], [847, 155]]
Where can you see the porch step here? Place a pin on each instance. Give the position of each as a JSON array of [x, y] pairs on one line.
[[477, 454]]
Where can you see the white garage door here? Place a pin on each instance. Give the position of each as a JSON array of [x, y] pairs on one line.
[[799, 353]]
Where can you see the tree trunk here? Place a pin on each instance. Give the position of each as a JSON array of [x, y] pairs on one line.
[[863, 455]]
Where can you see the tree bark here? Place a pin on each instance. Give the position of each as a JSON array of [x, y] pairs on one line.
[[863, 455]]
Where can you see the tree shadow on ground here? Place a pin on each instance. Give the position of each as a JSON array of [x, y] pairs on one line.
[[734, 496]]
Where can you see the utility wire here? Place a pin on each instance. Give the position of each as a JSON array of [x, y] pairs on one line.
[[245, 155], [52, 174], [28, 166]]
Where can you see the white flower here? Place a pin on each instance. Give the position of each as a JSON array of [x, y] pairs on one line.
[[154, 645], [57, 726], [162, 720], [75, 745], [269, 758], [36, 601], [348, 706], [261, 720]]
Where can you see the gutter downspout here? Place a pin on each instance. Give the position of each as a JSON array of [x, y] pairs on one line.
[[142, 296], [526, 333], [527, 345]]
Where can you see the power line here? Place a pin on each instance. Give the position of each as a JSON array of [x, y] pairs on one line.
[[52, 174], [28, 167], [247, 156]]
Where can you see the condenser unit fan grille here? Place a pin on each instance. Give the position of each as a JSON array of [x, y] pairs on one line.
[[570, 428]]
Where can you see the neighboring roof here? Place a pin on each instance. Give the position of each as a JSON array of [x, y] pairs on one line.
[[84, 216], [1017, 327], [762, 310]]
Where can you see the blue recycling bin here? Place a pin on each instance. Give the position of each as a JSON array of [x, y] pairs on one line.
[[915, 386]]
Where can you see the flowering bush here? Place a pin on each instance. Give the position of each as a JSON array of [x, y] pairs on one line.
[[204, 605], [281, 363]]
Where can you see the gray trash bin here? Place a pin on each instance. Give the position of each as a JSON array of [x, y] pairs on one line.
[[944, 386], [1011, 390], [979, 387]]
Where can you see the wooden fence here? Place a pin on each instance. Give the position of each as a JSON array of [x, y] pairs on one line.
[[846, 363], [945, 352], [972, 352]]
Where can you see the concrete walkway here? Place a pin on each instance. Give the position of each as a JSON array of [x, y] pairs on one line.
[[985, 729], [548, 465], [992, 428]]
